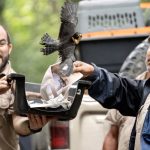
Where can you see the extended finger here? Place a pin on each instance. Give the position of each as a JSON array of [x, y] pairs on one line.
[[77, 63], [3, 82], [4, 87], [38, 120], [44, 120], [32, 120]]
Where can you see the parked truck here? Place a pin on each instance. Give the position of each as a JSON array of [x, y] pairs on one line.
[[111, 31]]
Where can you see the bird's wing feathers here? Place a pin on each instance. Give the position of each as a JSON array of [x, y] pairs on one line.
[[68, 20], [69, 13], [50, 45], [66, 67], [67, 59], [65, 46], [46, 40], [67, 52]]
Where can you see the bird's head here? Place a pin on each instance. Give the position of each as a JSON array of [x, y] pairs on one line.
[[77, 37]]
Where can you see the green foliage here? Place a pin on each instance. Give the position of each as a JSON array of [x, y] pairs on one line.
[[145, 0], [27, 21]]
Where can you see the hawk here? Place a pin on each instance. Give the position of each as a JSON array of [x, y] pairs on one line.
[[67, 40]]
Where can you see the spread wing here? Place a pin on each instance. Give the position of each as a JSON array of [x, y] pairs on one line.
[[46, 40], [50, 45], [68, 21]]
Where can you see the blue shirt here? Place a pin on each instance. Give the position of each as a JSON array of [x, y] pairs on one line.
[[126, 95]]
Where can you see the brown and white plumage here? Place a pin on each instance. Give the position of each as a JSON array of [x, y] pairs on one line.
[[67, 40]]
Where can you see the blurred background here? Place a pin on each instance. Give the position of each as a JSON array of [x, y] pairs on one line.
[[26, 22]]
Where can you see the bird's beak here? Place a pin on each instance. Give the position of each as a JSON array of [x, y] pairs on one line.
[[80, 37], [76, 41]]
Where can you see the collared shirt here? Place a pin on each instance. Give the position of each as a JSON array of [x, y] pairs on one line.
[[8, 137], [124, 123]]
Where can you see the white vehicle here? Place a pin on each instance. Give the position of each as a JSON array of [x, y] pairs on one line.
[[84, 132], [109, 27], [111, 30]]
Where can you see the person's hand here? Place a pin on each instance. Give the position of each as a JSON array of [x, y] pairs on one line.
[[33, 95], [31, 124], [37, 121], [4, 86], [84, 68]]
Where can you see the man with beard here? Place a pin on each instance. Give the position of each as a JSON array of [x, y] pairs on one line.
[[11, 123]]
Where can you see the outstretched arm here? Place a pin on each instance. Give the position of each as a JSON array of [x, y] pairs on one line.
[[111, 90], [84, 68], [111, 139]]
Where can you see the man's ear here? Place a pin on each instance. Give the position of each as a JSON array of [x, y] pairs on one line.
[[10, 48]]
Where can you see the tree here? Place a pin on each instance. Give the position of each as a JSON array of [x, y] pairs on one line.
[[145, 0], [27, 21], [2, 5]]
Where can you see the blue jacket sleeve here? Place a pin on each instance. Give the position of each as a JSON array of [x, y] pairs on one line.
[[113, 91]]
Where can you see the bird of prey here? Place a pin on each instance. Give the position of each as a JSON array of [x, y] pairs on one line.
[[67, 40]]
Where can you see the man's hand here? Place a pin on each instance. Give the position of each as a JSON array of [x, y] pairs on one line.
[[36, 122], [4, 86], [30, 124], [84, 68]]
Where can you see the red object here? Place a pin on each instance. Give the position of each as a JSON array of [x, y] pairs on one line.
[[59, 131]]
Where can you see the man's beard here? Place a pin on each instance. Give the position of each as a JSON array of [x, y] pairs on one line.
[[4, 63]]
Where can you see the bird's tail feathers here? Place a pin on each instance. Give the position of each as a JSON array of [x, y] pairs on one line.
[[50, 45], [46, 40], [66, 67]]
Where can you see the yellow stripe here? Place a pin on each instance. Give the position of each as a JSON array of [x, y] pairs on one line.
[[119, 32], [145, 5]]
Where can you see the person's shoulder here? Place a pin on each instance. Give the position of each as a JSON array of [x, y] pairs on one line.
[[142, 76], [114, 117]]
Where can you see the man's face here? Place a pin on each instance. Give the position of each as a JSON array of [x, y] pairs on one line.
[[5, 49], [147, 60]]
